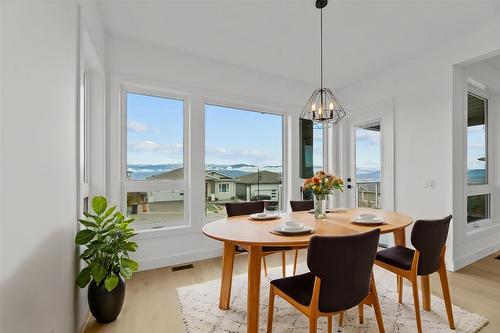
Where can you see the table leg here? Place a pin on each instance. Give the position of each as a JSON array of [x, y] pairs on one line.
[[254, 258], [426, 292], [227, 275]]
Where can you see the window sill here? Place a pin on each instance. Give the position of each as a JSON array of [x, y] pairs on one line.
[[164, 232], [483, 229]]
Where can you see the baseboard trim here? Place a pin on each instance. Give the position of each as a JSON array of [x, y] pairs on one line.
[[471, 258], [178, 259], [85, 323]]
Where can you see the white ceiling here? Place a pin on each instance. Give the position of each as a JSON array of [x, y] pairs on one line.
[[281, 37]]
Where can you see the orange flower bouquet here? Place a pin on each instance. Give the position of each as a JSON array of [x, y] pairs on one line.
[[322, 184]]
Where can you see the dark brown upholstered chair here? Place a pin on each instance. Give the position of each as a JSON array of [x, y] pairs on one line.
[[252, 207], [429, 239], [335, 283], [300, 206]]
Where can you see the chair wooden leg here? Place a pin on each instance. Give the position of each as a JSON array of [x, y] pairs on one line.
[[283, 263], [295, 259], [361, 313], [330, 326], [443, 276], [400, 289], [426, 292], [414, 285], [264, 262], [376, 306], [270, 310], [313, 324], [341, 318]]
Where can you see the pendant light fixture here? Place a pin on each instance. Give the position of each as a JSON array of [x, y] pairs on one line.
[[322, 108]]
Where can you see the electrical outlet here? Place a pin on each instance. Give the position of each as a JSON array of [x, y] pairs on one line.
[[52, 328]]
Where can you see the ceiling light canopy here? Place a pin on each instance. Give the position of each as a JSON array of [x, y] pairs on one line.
[[322, 108]]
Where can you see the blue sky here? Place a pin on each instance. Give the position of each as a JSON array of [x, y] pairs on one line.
[[476, 148], [367, 150]]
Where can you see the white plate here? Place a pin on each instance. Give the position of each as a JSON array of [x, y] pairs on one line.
[[300, 226], [264, 217], [303, 230], [377, 220]]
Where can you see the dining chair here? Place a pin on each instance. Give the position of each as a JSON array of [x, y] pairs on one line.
[[429, 239], [300, 206], [340, 278], [252, 207]]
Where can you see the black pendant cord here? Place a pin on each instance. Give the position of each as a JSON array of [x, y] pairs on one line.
[[321, 48]]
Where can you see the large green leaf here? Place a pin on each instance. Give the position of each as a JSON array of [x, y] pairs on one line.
[[109, 212], [84, 236], [99, 272], [111, 282], [126, 272], [99, 204], [84, 277], [88, 223], [87, 254], [131, 246], [129, 263]]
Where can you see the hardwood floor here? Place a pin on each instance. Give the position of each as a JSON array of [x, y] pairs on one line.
[[151, 302]]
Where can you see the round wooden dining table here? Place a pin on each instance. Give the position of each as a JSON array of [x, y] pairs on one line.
[[253, 235]]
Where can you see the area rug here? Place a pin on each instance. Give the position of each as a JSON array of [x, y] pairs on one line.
[[201, 313]]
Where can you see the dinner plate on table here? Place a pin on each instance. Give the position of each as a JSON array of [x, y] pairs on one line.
[[371, 221], [264, 216], [304, 230]]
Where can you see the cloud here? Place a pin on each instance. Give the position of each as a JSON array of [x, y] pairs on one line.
[[151, 146], [250, 156], [370, 137], [137, 127]]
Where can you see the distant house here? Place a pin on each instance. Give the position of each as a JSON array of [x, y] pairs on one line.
[[263, 183]]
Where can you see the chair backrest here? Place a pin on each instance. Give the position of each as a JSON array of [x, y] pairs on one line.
[[244, 208], [429, 237], [302, 205], [344, 265]]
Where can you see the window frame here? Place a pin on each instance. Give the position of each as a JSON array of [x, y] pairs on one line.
[[155, 185], [479, 189], [285, 140]]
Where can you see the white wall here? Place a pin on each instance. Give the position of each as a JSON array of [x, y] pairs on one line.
[[1, 157], [146, 65], [39, 157], [423, 92]]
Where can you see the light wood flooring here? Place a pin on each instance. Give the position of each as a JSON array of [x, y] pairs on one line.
[[151, 300]]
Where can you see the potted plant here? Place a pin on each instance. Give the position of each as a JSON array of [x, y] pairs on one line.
[[322, 184], [107, 240]]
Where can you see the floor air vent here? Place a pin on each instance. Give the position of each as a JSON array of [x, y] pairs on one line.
[[497, 257], [182, 267]]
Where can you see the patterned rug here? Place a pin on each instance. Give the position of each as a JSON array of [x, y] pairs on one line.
[[201, 313]]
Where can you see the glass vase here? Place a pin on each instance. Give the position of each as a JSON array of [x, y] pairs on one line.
[[320, 206]]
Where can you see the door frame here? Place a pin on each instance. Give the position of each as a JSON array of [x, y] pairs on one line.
[[382, 112]]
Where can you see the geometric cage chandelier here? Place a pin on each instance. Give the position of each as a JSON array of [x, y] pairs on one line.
[[322, 108]]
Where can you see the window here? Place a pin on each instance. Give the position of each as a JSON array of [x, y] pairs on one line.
[[368, 165], [223, 188], [479, 191], [318, 151], [83, 141], [243, 162], [154, 182]]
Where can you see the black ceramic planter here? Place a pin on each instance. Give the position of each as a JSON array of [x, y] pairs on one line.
[[106, 305]]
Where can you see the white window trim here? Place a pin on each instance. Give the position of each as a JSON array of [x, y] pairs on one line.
[[488, 188], [227, 187], [285, 143], [156, 185]]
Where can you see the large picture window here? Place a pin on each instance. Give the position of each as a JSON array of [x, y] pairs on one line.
[[243, 158], [154, 181]]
